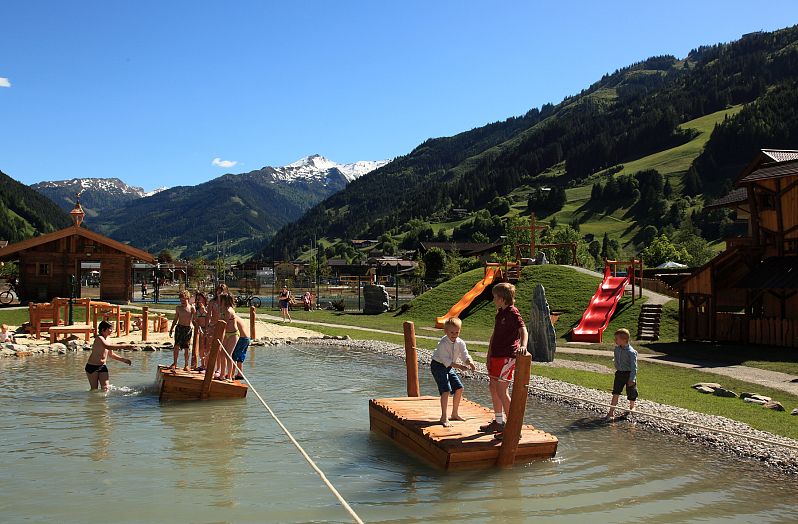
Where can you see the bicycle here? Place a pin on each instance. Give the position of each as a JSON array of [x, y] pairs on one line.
[[7, 296], [247, 299]]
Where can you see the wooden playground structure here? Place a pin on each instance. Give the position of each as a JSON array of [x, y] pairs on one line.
[[534, 246], [413, 422]]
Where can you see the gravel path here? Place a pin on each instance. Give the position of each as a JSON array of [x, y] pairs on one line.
[[772, 454]]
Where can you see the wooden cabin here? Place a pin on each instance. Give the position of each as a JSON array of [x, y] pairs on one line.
[[48, 262], [748, 294]]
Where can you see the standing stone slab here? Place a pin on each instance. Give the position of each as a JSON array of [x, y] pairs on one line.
[[542, 337], [375, 300]]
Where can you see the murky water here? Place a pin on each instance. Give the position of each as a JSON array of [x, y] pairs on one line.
[[72, 456]]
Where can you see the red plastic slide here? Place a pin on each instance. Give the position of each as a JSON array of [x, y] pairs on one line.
[[600, 310], [490, 275]]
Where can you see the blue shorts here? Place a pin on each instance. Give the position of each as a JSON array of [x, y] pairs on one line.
[[447, 378], [240, 351]]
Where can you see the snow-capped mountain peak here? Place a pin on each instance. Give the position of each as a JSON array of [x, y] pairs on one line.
[[317, 167]]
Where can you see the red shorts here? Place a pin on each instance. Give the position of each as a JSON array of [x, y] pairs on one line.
[[501, 367]]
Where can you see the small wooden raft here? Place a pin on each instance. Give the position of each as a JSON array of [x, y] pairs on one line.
[[413, 423], [177, 384]]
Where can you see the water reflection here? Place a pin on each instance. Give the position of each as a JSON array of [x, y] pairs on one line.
[[98, 417]]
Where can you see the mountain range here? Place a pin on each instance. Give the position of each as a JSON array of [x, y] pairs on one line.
[[671, 130], [241, 210]]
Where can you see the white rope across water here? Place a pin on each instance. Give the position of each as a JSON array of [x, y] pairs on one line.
[[296, 444]]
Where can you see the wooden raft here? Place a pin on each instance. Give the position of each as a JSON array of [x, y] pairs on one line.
[[413, 423], [177, 384]]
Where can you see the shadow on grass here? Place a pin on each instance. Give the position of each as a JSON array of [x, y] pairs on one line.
[[722, 354]]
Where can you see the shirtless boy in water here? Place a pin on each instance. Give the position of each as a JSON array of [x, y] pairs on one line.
[[184, 317], [101, 350]]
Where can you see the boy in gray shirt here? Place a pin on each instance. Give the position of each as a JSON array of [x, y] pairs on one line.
[[626, 371]]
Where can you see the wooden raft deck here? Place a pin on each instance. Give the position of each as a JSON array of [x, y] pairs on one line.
[[187, 385], [413, 423]]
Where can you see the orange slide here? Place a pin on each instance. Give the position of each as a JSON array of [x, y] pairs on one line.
[[599, 311], [491, 273]]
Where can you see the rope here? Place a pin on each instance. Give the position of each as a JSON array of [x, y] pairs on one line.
[[296, 444], [651, 415]]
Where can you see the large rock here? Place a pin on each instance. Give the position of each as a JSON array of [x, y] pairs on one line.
[[542, 337], [774, 405], [794, 411], [723, 392], [705, 389], [712, 385], [375, 300], [753, 400]]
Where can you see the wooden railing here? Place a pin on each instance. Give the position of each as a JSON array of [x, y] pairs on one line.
[[773, 331], [658, 286]]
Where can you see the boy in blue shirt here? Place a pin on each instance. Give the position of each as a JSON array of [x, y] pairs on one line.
[[626, 371], [450, 351]]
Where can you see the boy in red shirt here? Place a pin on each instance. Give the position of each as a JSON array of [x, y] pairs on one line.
[[508, 340]]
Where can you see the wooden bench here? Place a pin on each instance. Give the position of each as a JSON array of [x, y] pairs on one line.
[[63, 330]]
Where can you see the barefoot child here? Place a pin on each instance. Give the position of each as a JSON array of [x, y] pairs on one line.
[[201, 325], [240, 350], [184, 315], [626, 371], [450, 350], [101, 350], [508, 340], [224, 365]]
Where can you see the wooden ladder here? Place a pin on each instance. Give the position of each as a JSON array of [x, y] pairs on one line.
[[648, 322]]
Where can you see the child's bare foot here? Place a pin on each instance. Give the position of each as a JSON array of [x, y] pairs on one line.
[[445, 423], [173, 367], [185, 368], [456, 417]]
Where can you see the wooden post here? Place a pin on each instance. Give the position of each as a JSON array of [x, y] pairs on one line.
[[145, 322], [515, 418], [210, 367], [252, 322], [411, 359]]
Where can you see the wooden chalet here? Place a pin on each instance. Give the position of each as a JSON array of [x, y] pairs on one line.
[[47, 263], [748, 294]]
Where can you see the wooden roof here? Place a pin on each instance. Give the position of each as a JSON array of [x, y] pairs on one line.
[[775, 170], [767, 156], [735, 196], [12, 249]]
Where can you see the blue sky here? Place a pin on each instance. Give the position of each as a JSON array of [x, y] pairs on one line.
[[153, 91]]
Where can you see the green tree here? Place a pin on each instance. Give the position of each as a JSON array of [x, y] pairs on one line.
[[663, 250], [434, 263]]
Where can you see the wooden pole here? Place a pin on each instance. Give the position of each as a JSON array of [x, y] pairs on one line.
[[210, 367], [252, 322], [515, 418], [145, 322], [411, 359]]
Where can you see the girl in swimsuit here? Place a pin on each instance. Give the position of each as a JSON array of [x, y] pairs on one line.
[[213, 316], [228, 314], [101, 350], [201, 324]]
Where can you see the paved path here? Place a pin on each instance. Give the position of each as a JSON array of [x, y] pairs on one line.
[[652, 297], [763, 377]]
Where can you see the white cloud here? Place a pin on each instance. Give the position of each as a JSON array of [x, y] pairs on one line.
[[218, 162], [4, 82]]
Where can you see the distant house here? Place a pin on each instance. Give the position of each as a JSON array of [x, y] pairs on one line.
[[749, 293], [465, 249], [48, 262], [283, 270], [360, 243]]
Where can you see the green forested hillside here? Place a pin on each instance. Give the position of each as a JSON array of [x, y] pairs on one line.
[[640, 129], [25, 213]]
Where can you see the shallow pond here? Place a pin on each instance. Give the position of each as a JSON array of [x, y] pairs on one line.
[[69, 455]]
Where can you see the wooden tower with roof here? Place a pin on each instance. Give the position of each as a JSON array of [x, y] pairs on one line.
[[748, 294], [48, 262]]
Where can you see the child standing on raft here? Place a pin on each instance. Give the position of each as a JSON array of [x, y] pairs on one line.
[[101, 350], [184, 318], [626, 371], [450, 350], [508, 340], [201, 325]]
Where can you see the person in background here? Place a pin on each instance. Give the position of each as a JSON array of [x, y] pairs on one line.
[[284, 301], [625, 372]]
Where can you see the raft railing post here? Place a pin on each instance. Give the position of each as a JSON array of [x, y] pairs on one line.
[[515, 418], [252, 322], [145, 322], [210, 367], [411, 359]]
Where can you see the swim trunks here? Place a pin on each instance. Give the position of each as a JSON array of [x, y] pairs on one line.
[[240, 351], [501, 367], [283, 304], [93, 368], [447, 378], [621, 381], [182, 336]]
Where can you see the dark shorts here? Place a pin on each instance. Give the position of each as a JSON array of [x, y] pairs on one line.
[[240, 351], [447, 378], [283, 304], [182, 336], [93, 368], [621, 381]]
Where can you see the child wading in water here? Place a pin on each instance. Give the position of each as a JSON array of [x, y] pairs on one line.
[[450, 350], [626, 372], [508, 340], [101, 350], [184, 317]]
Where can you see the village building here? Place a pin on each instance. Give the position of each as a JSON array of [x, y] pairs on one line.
[[748, 294], [48, 263]]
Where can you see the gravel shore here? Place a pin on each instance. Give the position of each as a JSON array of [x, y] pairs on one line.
[[740, 444]]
